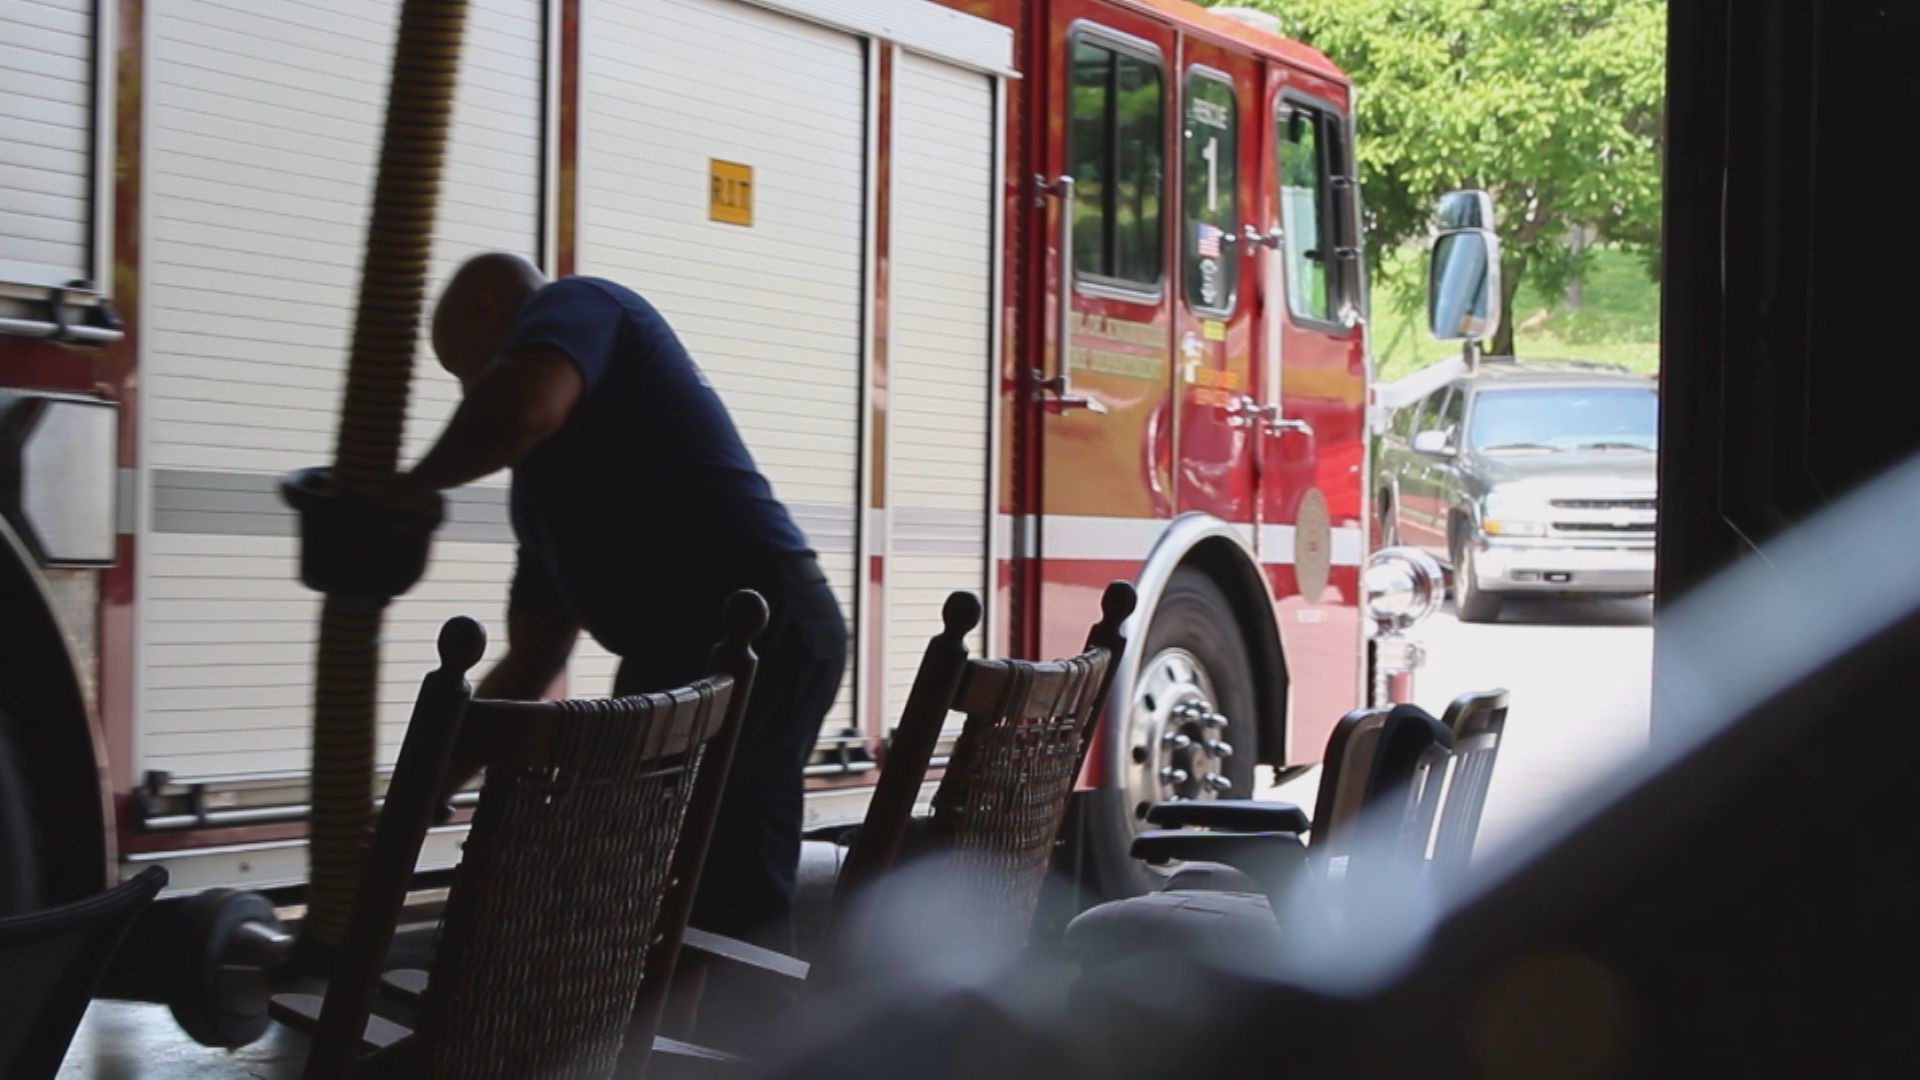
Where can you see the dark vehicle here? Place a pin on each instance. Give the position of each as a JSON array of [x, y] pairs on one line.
[[1527, 477]]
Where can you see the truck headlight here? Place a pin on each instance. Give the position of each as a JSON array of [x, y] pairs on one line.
[[1511, 517], [1402, 586]]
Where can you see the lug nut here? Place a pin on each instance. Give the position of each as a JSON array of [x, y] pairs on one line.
[[1215, 720], [1220, 748], [1176, 740], [1220, 784], [1171, 775]]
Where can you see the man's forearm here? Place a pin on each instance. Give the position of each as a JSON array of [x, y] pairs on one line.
[[517, 678], [473, 446], [511, 408]]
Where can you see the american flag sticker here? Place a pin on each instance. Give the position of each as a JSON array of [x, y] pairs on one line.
[[1209, 246]]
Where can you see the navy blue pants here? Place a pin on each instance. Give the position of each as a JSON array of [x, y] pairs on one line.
[[746, 889]]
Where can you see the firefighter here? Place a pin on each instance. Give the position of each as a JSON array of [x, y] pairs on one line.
[[638, 510]]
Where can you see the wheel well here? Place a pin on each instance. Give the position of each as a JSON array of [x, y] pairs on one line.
[[1227, 564], [40, 689], [1456, 523]]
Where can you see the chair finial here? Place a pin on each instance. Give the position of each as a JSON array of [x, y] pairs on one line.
[[746, 616], [961, 613], [1118, 602], [462, 642]]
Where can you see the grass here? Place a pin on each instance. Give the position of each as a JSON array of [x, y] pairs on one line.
[[1618, 321]]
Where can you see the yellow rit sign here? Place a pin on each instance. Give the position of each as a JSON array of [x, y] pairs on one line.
[[730, 192]]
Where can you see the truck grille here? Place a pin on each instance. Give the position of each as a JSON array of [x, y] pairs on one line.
[[1645, 505], [1602, 528], [1625, 518]]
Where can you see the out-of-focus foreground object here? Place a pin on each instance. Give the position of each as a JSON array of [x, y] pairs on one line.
[[53, 959]]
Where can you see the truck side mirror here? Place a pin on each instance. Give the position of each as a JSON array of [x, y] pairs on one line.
[[1469, 209], [1463, 278], [1463, 285], [1432, 442]]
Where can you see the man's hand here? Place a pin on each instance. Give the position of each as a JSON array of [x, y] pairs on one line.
[[538, 645], [516, 404], [404, 489]]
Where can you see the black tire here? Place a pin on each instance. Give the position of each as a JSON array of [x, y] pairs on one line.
[[19, 853], [1472, 603], [1193, 615]]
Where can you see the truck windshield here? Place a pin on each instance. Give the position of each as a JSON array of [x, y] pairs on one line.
[[1565, 418]]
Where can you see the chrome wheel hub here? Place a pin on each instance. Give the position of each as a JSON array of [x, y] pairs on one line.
[[1176, 739]]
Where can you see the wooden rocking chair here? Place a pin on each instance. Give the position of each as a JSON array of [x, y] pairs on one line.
[[565, 916], [998, 809]]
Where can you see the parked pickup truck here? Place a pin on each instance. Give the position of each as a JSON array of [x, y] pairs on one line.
[[1526, 477]]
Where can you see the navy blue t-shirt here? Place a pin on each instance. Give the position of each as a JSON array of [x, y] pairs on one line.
[[645, 508]]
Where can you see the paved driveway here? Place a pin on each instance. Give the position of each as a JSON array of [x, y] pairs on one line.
[[1579, 673]]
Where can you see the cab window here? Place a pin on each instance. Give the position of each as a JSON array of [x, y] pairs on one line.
[[1448, 419], [1426, 414], [1307, 139], [1115, 150], [1209, 134], [1403, 420]]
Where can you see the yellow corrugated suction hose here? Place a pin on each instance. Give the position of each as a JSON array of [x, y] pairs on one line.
[[393, 282]]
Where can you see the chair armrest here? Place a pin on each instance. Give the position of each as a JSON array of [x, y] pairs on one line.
[[1169, 845], [301, 1012], [1267, 857], [1236, 815], [701, 949], [673, 1059], [405, 985]]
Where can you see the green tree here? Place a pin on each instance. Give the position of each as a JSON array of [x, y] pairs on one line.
[[1555, 106]]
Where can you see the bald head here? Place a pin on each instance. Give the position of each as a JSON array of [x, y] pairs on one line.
[[477, 308]]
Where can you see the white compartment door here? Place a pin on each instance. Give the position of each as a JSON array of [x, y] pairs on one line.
[[940, 362], [46, 141], [264, 130], [771, 309]]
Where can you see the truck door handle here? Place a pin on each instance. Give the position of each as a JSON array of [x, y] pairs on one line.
[[1273, 423], [1255, 238], [1243, 412], [1280, 425], [1064, 402], [1060, 384]]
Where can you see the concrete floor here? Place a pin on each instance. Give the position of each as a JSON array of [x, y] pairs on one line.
[[1579, 675], [123, 1041]]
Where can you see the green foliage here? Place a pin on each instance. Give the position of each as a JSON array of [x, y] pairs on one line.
[[1555, 106], [1617, 322]]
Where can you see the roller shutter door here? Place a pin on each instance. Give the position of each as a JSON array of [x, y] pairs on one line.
[[940, 379], [772, 311], [46, 141], [264, 127]]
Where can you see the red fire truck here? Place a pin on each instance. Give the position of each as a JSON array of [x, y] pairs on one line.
[[1014, 296]]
